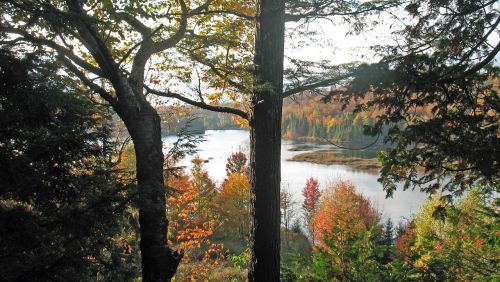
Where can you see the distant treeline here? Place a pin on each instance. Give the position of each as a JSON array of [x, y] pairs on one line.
[[196, 120], [304, 118], [309, 118], [345, 127]]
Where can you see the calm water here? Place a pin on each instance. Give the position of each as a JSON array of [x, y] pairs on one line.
[[219, 144]]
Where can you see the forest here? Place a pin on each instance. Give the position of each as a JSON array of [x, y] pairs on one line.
[[91, 190], [303, 118]]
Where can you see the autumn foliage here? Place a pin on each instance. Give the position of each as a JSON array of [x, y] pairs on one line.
[[453, 241], [347, 232], [444, 242], [194, 220], [203, 216], [234, 205], [236, 163], [342, 213], [310, 205], [308, 117]]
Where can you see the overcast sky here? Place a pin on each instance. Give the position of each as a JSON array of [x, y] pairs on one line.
[[333, 43], [345, 48]]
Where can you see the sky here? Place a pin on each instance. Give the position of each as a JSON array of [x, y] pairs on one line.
[[333, 43], [345, 48]]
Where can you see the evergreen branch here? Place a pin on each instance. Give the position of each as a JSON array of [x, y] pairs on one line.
[[475, 68], [318, 11], [314, 85]]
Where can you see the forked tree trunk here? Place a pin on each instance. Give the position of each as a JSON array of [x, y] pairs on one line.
[[159, 262], [265, 142]]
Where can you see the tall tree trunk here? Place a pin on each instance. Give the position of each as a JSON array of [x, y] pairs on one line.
[[159, 262], [265, 141]]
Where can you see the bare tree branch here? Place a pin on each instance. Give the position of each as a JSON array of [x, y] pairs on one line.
[[199, 104], [219, 12], [144, 30], [179, 34], [25, 36], [94, 43], [94, 87]]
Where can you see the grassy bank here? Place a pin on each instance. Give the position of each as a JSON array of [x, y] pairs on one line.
[[329, 157]]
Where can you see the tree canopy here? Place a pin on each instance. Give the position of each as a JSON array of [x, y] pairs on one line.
[[434, 90], [60, 201], [437, 90]]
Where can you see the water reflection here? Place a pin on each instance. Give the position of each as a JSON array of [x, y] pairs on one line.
[[219, 144]]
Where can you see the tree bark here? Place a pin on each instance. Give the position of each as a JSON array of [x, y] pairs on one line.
[[159, 262], [265, 141]]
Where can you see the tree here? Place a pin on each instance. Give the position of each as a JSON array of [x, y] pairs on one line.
[[256, 71], [236, 163], [266, 114], [111, 63], [311, 203], [388, 234], [437, 90], [60, 200], [183, 198], [347, 232], [234, 206], [387, 240], [120, 65], [265, 153], [194, 221], [204, 186], [288, 212], [340, 207], [450, 242]]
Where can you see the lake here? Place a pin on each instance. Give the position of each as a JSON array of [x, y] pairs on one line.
[[219, 144]]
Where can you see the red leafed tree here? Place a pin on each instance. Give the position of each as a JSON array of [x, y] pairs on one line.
[[342, 213], [404, 242], [311, 203], [346, 232], [236, 163]]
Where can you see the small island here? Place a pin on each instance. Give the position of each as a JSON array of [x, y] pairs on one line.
[[329, 157]]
